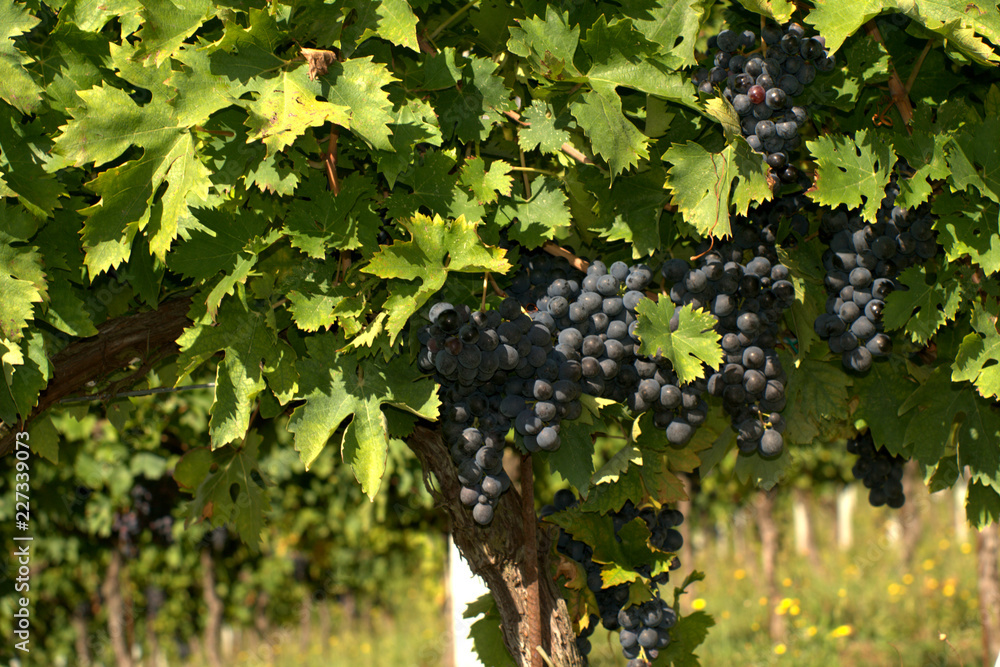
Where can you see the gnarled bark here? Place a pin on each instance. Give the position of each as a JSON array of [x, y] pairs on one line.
[[148, 335], [497, 554]]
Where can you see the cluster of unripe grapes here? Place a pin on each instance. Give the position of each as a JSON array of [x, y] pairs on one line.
[[862, 264], [880, 471], [762, 82]]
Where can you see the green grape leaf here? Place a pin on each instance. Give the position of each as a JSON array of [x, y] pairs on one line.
[[618, 40], [598, 531], [545, 131], [837, 20], [100, 131], [978, 358], [167, 25], [347, 221], [967, 225], [287, 106], [576, 463], [415, 123], [612, 135], [534, 221], [974, 155], [337, 385], [815, 391], [693, 343], [702, 184], [630, 211], [26, 372], [880, 394], [252, 352], [20, 145], [17, 87], [868, 59], [938, 410], [925, 306], [485, 184], [228, 486], [779, 10], [22, 283], [436, 248], [485, 632], [852, 172], [689, 632], [662, 485], [761, 472], [673, 26], [470, 113], [398, 23], [218, 245], [611, 497], [45, 438], [434, 191], [959, 23], [66, 310], [982, 505], [548, 44]]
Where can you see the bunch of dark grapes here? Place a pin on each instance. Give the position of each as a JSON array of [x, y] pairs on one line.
[[777, 219], [748, 301], [645, 629], [609, 600], [473, 363], [612, 601], [762, 86], [862, 264], [543, 276], [126, 528], [880, 471], [662, 531], [140, 499], [596, 328]]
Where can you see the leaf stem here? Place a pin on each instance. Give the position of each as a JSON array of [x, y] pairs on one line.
[[451, 19], [331, 160], [555, 250], [524, 176], [896, 88], [535, 171], [916, 67]]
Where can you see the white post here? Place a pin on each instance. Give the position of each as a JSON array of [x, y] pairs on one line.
[[961, 523], [800, 517], [847, 498], [466, 587]]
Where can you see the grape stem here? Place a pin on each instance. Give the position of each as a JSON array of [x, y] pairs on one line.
[[556, 251], [896, 88]]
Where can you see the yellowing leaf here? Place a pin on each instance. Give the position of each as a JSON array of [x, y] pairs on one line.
[[437, 247]]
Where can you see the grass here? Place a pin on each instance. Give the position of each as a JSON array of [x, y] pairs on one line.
[[862, 606]]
